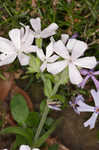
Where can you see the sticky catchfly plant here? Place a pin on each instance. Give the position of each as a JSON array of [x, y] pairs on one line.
[[71, 53], [19, 45], [82, 107], [89, 74], [47, 32]]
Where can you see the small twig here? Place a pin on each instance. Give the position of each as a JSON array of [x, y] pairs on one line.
[[96, 41]]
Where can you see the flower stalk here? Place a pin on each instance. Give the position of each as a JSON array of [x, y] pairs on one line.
[[45, 113]]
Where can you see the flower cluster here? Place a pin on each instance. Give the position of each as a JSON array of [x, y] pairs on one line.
[[58, 55], [82, 107], [69, 50]]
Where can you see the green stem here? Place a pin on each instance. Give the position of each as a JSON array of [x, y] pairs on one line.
[[39, 42], [41, 123], [45, 113]]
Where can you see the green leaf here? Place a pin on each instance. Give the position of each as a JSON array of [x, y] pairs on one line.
[[34, 65], [33, 119], [20, 140], [50, 76], [62, 77], [19, 108], [49, 122], [20, 131], [42, 106], [47, 87], [43, 138]]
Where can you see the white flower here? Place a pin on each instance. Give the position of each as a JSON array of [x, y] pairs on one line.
[[19, 45], [26, 147], [71, 53], [47, 32], [48, 58], [82, 107]]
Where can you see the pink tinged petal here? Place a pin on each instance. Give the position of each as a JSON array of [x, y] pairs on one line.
[[6, 45], [36, 24], [7, 59], [84, 71], [27, 36], [91, 122], [23, 59], [95, 96], [15, 36], [74, 75], [52, 58], [96, 73], [40, 54], [64, 38], [86, 62], [54, 107], [43, 66], [60, 49], [78, 47], [84, 107], [96, 82], [24, 147], [49, 50], [83, 83], [29, 48], [49, 31], [56, 67]]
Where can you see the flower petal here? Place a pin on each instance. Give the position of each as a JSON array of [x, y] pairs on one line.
[[96, 82], [60, 49], [49, 50], [24, 147], [29, 48], [91, 122], [95, 96], [15, 36], [82, 84], [84, 107], [40, 54], [96, 73], [49, 31], [74, 74], [36, 24], [84, 72], [56, 67], [64, 38], [7, 59], [6, 45], [52, 58], [27, 36], [77, 47], [86, 62], [23, 59], [43, 66]]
